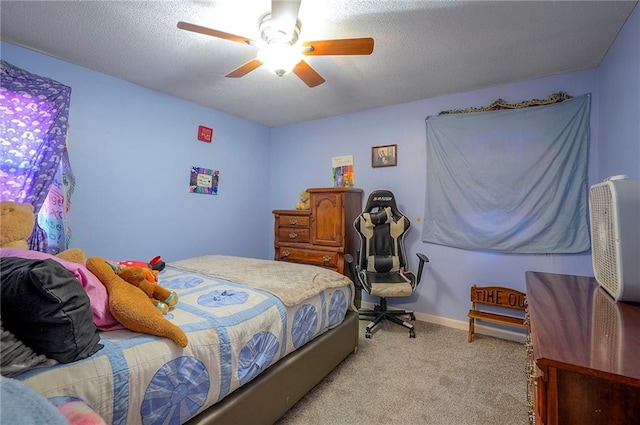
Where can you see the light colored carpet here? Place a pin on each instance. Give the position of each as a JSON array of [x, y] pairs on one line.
[[438, 378]]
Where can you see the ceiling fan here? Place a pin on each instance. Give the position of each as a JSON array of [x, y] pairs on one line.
[[279, 47]]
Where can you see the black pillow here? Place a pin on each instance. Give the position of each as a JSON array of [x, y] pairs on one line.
[[382, 216], [45, 307]]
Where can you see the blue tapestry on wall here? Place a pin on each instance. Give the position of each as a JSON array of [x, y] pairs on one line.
[[511, 181]]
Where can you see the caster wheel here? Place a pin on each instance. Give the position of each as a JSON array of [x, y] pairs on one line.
[[412, 334], [367, 335], [412, 316]]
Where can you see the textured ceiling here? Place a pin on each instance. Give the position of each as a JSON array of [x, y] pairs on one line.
[[422, 49]]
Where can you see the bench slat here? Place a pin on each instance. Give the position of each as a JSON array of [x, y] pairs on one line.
[[499, 318]]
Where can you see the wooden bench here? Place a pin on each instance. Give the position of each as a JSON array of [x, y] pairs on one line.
[[495, 296]]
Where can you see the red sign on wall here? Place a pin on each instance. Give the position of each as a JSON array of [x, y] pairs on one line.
[[205, 134]]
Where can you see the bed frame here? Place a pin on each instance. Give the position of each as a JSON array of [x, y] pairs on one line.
[[270, 395]]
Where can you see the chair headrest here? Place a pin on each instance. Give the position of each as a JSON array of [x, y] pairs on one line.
[[380, 199]]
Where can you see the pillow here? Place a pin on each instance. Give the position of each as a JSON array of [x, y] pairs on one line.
[[45, 307], [98, 298], [382, 216]]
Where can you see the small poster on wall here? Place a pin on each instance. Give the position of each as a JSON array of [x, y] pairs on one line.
[[342, 171], [204, 180], [205, 134]]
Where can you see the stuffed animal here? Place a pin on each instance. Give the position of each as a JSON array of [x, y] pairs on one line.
[[74, 255], [304, 201], [132, 307], [161, 297], [16, 224], [151, 269], [16, 221]]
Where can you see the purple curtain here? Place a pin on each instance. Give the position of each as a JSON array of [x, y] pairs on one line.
[[33, 129], [53, 214]]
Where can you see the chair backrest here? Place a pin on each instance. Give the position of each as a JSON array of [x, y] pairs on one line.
[[381, 227]]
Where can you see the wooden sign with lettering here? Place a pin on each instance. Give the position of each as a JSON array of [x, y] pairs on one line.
[[497, 295]]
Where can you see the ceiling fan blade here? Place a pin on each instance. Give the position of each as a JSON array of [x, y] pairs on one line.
[[307, 74], [244, 69], [345, 46], [215, 33]]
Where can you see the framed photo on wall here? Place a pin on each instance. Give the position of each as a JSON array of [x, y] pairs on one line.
[[204, 180], [384, 156]]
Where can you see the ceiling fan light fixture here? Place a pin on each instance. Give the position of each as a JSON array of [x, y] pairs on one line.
[[285, 30], [278, 52], [279, 58]]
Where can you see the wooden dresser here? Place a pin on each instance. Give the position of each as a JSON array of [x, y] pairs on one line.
[[322, 235], [584, 353]]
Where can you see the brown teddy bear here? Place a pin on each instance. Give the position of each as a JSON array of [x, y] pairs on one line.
[[131, 306], [160, 297], [16, 224], [304, 201]]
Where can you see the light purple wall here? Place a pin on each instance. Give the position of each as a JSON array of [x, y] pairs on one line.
[[619, 86], [303, 155], [131, 150]]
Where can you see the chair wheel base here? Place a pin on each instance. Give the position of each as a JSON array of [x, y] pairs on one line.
[[380, 314]]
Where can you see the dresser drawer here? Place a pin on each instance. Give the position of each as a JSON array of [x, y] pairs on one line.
[[308, 256], [293, 234], [293, 221]]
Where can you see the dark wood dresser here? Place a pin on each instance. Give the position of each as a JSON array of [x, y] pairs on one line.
[[322, 235], [584, 353]]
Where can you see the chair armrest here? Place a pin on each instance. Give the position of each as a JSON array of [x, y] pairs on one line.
[[423, 259], [348, 258]]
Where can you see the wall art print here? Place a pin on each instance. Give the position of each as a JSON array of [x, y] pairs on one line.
[[384, 156], [204, 180], [342, 171]]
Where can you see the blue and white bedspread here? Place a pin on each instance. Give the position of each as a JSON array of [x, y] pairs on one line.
[[235, 332]]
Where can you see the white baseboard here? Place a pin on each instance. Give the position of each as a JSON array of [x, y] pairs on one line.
[[464, 325]]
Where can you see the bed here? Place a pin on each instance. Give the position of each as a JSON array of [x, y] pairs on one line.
[[261, 335]]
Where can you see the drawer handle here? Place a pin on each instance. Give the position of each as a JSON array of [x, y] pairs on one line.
[[293, 221], [286, 253], [293, 235], [326, 258]]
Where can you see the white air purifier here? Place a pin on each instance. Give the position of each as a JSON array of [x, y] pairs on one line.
[[614, 213]]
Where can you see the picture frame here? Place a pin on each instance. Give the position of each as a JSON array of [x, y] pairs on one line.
[[384, 156], [204, 180]]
